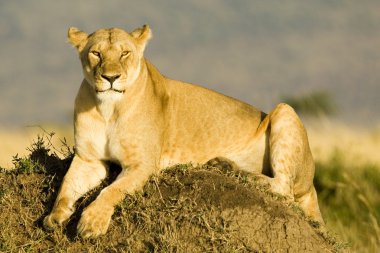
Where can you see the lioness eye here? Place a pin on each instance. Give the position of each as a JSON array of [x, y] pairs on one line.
[[96, 53], [125, 53]]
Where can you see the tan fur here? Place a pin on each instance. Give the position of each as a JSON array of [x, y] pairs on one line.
[[146, 122]]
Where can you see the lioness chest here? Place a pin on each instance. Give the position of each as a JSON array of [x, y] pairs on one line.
[[100, 143]]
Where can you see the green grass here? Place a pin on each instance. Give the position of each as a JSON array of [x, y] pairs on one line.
[[349, 197], [314, 104], [28, 164]]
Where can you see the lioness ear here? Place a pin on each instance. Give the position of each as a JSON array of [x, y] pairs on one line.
[[77, 38], [142, 36]]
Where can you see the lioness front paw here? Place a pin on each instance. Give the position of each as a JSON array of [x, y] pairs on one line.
[[275, 186], [94, 221], [56, 218]]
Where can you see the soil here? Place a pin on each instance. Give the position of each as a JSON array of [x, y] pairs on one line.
[[208, 208]]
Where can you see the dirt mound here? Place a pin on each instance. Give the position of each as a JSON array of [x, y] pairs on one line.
[[184, 209]]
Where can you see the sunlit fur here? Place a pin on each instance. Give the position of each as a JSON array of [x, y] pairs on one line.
[[147, 122]]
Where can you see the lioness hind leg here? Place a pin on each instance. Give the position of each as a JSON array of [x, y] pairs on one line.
[[309, 204], [291, 159], [81, 177], [285, 148]]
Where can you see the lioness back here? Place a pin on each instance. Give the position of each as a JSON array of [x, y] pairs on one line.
[[193, 128]]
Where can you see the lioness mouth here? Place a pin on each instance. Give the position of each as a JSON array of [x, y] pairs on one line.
[[110, 89]]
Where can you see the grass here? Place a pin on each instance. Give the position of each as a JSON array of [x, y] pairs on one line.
[[313, 104], [16, 140], [349, 197]]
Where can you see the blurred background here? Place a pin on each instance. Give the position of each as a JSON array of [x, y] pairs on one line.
[[257, 51], [322, 57]]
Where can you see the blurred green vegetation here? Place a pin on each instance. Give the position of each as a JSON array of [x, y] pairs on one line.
[[319, 103], [349, 198]]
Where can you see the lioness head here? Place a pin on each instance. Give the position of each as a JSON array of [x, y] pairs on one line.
[[111, 58]]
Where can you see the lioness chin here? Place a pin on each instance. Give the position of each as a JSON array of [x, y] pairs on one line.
[[127, 112]]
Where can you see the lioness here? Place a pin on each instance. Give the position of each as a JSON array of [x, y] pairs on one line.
[[127, 112]]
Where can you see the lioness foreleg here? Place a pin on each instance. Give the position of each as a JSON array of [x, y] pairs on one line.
[[96, 217], [81, 177]]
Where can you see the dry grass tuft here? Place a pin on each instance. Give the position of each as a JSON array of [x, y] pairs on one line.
[[14, 141]]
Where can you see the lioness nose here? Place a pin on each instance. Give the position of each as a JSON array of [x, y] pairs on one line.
[[111, 79]]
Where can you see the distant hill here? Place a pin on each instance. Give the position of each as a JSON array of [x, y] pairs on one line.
[[257, 51]]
